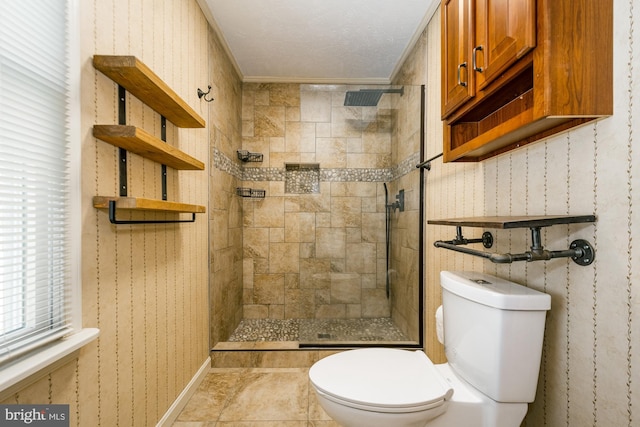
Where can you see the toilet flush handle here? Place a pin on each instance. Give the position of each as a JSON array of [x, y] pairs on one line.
[[440, 325]]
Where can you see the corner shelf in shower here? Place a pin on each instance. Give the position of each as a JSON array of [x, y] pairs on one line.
[[579, 250], [251, 193], [247, 156]]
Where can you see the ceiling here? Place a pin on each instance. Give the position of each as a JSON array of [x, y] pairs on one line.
[[319, 41]]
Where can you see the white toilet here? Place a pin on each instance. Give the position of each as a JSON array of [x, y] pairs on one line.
[[493, 332]]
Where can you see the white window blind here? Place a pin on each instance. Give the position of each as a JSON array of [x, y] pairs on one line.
[[35, 277]]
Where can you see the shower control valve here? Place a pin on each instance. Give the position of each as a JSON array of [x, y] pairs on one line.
[[400, 200]]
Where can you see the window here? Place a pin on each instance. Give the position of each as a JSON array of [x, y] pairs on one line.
[[38, 175]]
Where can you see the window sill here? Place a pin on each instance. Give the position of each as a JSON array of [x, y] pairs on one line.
[[29, 369]]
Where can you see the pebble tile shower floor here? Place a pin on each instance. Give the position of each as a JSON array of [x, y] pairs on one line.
[[315, 330]]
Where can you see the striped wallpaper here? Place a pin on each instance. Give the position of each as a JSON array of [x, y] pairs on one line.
[[144, 286]]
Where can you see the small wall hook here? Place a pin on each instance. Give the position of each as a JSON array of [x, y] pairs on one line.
[[202, 94]]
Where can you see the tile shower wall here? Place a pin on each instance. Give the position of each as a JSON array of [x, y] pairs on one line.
[[321, 254], [225, 208], [589, 370]]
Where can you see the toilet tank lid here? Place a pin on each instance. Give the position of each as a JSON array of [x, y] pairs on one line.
[[493, 291]]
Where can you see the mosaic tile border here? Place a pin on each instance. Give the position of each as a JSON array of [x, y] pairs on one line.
[[244, 173], [225, 164]]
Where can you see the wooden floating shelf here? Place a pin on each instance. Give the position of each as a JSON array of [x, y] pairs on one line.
[[507, 222], [142, 204], [138, 79], [139, 141]]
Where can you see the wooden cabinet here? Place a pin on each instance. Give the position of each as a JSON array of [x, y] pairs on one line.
[[505, 30], [481, 38], [458, 83], [516, 71]]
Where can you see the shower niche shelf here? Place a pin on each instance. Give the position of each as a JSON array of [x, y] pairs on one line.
[[302, 178], [132, 75], [580, 251], [247, 156]]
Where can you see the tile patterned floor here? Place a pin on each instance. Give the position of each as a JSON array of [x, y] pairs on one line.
[[318, 330], [255, 397]]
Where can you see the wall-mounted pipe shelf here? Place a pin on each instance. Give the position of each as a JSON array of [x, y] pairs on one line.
[[251, 193], [247, 156], [144, 84], [581, 251], [139, 141]]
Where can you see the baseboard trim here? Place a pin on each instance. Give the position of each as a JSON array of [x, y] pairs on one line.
[[181, 401]]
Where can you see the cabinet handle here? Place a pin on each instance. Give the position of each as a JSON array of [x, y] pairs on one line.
[[473, 57], [460, 82]]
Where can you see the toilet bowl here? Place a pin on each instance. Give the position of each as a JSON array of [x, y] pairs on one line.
[[396, 398], [379, 387], [493, 331]]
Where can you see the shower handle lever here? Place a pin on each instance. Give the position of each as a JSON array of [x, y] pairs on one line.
[[399, 203], [400, 200]]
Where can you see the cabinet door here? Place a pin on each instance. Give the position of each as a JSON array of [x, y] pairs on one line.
[[505, 30], [457, 31]]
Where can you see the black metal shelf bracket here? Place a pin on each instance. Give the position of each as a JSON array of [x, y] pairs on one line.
[[113, 220], [122, 153], [580, 251], [163, 167]]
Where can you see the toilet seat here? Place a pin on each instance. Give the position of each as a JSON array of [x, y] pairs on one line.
[[381, 380]]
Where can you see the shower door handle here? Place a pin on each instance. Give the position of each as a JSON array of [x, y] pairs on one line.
[[460, 82]]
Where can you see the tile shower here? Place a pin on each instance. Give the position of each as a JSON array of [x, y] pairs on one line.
[[314, 266]]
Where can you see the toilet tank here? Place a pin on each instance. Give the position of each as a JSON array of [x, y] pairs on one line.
[[493, 332]]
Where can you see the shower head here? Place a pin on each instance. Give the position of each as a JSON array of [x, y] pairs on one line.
[[367, 97]]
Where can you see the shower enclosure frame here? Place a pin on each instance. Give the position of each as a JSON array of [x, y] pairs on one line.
[[410, 146], [421, 254]]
